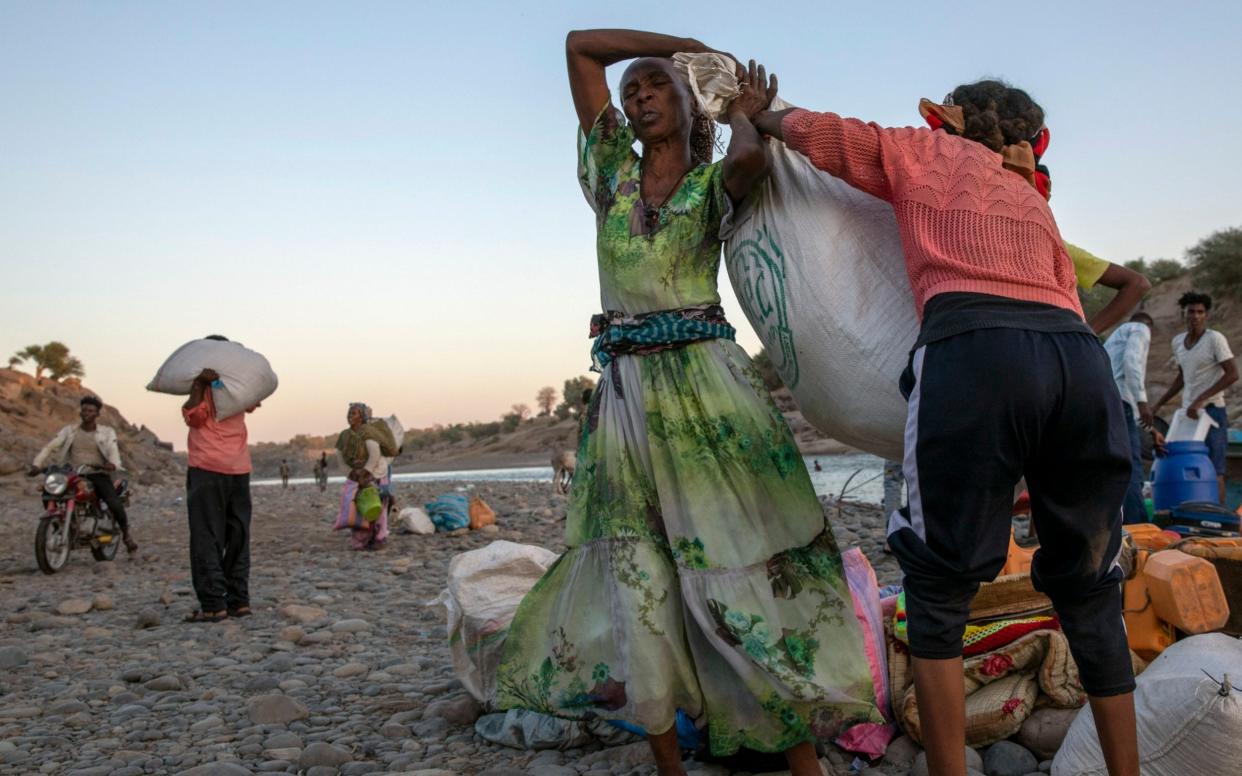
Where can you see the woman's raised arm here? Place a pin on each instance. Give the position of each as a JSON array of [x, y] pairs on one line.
[[589, 52], [746, 160]]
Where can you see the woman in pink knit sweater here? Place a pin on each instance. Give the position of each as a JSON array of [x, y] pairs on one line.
[[1005, 381]]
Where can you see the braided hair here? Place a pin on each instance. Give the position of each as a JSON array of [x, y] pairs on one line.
[[702, 136], [997, 114]]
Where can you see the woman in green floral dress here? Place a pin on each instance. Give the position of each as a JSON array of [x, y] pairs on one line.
[[701, 574]]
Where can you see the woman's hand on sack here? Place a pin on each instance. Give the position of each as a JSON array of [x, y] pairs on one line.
[[758, 91]]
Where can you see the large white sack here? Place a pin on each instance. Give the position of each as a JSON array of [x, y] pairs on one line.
[[818, 268], [247, 376], [414, 520], [484, 589], [398, 431], [1187, 723]]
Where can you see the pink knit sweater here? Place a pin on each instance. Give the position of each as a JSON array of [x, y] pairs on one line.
[[967, 223]]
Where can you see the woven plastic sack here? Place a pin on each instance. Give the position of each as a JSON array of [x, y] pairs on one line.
[[449, 512], [484, 589], [246, 377], [818, 268], [398, 431], [1189, 716], [414, 520]]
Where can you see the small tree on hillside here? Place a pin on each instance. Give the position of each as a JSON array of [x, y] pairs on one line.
[[52, 358], [1157, 270], [1217, 262], [521, 410], [571, 396], [71, 367], [546, 400]]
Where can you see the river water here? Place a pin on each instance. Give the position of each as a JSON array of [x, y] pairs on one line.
[[861, 476]]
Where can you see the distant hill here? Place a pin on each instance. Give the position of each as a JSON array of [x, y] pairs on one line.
[[32, 411]]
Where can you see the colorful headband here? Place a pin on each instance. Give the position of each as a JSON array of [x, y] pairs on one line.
[[1021, 157]]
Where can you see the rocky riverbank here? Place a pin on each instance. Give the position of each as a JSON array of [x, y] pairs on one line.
[[342, 668]]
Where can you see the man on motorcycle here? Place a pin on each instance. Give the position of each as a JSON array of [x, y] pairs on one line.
[[93, 445]]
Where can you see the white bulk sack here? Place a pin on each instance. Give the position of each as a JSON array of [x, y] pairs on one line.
[[1187, 723], [398, 431], [484, 589], [414, 520], [818, 268], [247, 377]]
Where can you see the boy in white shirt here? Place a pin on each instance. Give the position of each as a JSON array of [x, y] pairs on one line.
[[1205, 368]]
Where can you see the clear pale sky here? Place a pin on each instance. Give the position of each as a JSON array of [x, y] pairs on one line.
[[381, 197]]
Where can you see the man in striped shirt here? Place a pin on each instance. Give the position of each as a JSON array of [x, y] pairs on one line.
[[1127, 350]]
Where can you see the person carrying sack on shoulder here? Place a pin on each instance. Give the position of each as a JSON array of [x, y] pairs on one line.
[[218, 502], [367, 447], [1006, 380]]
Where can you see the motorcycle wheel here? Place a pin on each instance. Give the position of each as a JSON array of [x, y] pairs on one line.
[[51, 545], [106, 552]]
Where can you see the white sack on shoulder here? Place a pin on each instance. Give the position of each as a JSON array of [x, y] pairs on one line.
[[818, 267], [713, 80], [247, 376], [398, 431]]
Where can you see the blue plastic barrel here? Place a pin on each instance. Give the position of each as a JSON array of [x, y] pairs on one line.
[[1185, 474]]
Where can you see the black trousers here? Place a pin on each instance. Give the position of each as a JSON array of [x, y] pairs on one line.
[[986, 408], [219, 507], [107, 494]]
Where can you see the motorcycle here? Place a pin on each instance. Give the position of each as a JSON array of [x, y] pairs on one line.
[[74, 517]]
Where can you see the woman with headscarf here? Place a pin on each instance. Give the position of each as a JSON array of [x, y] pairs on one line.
[[360, 448], [701, 573]]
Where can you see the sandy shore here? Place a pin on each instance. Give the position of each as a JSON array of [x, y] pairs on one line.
[[366, 668]]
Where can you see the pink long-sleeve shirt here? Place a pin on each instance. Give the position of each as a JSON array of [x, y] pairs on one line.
[[216, 445], [967, 224]]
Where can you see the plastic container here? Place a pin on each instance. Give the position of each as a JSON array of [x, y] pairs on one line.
[[1147, 536], [1187, 429], [1146, 633], [1019, 559], [1204, 519], [1185, 474], [1226, 556], [368, 503], [1186, 592]]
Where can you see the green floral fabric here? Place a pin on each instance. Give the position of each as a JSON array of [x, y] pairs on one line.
[[648, 266], [701, 573]]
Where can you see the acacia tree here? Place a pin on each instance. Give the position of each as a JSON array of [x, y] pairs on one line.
[[52, 358], [1217, 262], [521, 410], [572, 396], [546, 400]]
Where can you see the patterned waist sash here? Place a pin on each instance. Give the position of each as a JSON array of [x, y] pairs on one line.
[[618, 334]]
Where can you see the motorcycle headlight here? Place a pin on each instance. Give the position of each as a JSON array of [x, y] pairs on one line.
[[55, 484]]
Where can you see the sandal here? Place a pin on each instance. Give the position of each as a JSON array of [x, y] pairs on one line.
[[241, 611], [200, 616]]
